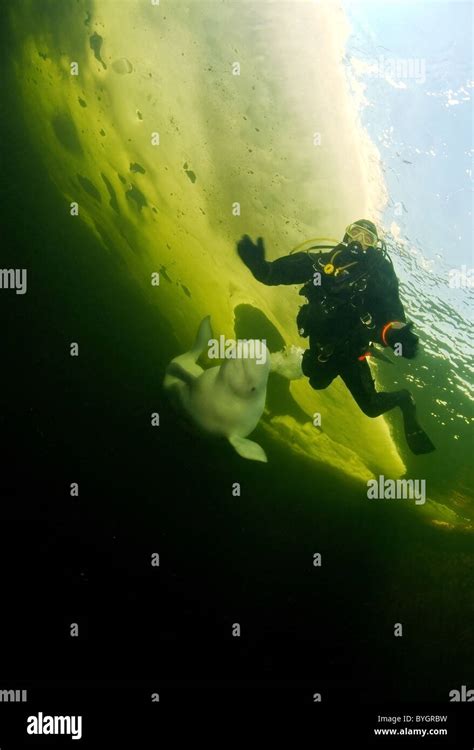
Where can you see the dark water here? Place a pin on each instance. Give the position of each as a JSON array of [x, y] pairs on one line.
[[223, 559]]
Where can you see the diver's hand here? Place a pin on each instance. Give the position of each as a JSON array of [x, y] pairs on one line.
[[404, 336], [253, 255]]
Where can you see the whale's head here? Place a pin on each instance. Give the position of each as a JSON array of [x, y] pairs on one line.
[[247, 375]]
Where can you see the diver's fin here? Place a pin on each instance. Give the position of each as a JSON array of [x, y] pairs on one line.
[[248, 449], [376, 353], [419, 442], [417, 439]]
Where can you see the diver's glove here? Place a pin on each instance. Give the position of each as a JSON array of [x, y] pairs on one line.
[[253, 255], [401, 333]]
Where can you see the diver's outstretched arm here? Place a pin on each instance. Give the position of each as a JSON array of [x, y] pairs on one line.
[[291, 269]]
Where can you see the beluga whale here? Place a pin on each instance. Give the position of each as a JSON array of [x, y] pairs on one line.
[[227, 400]]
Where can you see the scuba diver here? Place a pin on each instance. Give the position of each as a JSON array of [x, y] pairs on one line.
[[352, 304]]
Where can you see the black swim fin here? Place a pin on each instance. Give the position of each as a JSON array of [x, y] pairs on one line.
[[417, 439], [377, 353]]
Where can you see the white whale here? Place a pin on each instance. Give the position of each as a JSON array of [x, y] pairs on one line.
[[225, 401]]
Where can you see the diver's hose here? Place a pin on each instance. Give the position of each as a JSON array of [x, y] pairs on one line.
[[321, 247], [383, 245], [316, 239]]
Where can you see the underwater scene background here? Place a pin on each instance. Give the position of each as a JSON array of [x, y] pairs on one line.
[[156, 140]]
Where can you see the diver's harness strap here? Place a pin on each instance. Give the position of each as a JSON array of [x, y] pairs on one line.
[[330, 303]]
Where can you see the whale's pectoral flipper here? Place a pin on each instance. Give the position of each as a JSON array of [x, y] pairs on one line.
[[202, 337], [183, 369], [248, 448]]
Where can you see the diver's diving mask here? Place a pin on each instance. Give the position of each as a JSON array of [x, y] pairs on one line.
[[364, 236]]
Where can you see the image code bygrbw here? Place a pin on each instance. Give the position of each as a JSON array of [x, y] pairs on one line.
[[236, 398]]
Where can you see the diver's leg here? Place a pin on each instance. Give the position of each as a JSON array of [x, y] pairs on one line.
[[358, 378]]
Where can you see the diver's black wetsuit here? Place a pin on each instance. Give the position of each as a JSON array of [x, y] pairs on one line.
[[345, 313], [355, 296]]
